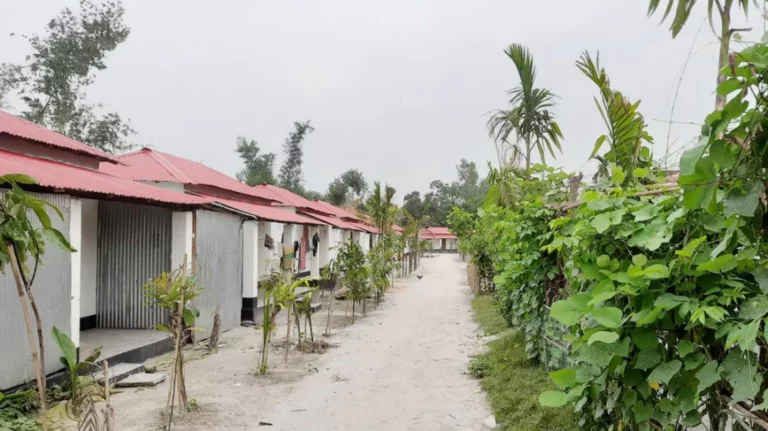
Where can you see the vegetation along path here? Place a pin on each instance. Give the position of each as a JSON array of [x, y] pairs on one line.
[[402, 367]]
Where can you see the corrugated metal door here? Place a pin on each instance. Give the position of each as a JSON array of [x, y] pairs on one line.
[[219, 262], [52, 291], [134, 246]]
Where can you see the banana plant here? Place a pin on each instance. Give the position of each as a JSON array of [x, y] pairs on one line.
[[74, 368]]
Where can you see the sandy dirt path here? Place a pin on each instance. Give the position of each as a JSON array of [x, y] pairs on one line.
[[399, 368], [402, 367]]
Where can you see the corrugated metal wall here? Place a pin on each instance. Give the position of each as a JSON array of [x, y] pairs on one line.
[[134, 246], [219, 263], [52, 290]]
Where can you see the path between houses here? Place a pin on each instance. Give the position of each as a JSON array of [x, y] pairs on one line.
[[400, 368]]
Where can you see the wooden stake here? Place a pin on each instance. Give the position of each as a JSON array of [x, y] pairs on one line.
[[32, 347], [288, 335], [109, 412], [330, 308]]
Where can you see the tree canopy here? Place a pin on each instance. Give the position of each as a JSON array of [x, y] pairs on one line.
[[291, 175], [259, 168]]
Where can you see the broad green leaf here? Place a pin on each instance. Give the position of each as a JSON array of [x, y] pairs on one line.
[[708, 375], [67, 347], [761, 277], [618, 175], [189, 317], [56, 237], [564, 378], [729, 86], [603, 261], [609, 317], [691, 157], [601, 222], [598, 354], [17, 178], [565, 312], [645, 213], [721, 155], [603, 337], [553, 399], [655, 272], [664, 372], [639, 260], [691, 247], [754, 308], [645, 339], [693, 361], [642, 411], [602, 296], [646, 317], [745, 383], [640, 172], [720, 264], [647, 359], [674, 215], [685, 348], [743, 201]]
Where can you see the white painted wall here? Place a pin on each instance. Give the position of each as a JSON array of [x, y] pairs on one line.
[[75, 240], [325, 244], [181, 238], [251, 258], [88, 252], [365, 241], [437, 244], [176, 187]]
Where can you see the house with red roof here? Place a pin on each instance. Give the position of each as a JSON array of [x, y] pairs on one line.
[[125, 232], [440, 238], [276, 234]]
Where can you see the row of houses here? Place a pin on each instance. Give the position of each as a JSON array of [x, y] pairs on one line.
[[133, 216], [440, 239]]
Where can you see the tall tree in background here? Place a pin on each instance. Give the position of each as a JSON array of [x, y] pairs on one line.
[[723, 8], [355, 180], [529, 118], [413, 204], [259, 168], [62, 64], [337, 192], [291, 176]]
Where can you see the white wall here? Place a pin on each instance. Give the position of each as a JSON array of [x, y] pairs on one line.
[[325, 245], [251, 258], [181, 238], [75, 240], [88, 252], [365, 241]]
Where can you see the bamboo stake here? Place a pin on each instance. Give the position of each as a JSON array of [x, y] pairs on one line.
[[109, 412], [330, 310], [288, 335], [25, 311]]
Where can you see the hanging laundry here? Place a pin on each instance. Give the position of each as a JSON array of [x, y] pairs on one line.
[[315, 243], [269, 242]]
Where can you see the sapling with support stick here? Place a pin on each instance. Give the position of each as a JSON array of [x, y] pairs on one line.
[[174, 293], [279, 294], [21, 241]]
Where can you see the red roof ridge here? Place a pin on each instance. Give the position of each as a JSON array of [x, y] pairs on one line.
[[159, 157]]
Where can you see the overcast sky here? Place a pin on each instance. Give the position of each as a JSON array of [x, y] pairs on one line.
[[398, 89]]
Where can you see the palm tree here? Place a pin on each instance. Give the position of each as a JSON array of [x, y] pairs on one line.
[[381, 208], [529, 118], [723, 7]]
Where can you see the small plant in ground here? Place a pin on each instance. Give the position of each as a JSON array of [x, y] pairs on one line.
[[279, 295], [354, 274], [330, 275], [75, 370], [174, 293], [303, 309], [15, 411], [479, 367]]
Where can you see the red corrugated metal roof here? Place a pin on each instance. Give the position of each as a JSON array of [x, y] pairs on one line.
[[266, 212], [152, 165], [74, 179], [365, 227], [289, 198], [338, 212], [21, 128], [437, 232], [335, 222]]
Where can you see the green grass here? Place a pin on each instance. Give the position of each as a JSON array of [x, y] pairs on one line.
[[513, 383], [488, 316]]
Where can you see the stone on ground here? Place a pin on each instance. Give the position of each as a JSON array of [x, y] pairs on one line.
[[141, 379]]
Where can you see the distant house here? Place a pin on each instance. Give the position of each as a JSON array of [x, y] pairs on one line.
[[440, 238], [125, 232]]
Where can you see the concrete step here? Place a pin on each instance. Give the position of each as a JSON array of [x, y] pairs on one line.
[[120, 372], [141, 379]]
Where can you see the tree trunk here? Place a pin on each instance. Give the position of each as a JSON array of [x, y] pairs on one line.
[[725, 43], [16, 268], [288, 335], [330, 311]]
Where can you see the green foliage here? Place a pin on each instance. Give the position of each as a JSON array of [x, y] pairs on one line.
[[74, 368], [62, 64], [381, 264], [355, 180], [355, 271], [16, 409], [291, 176], [259, 168], [279, 295]]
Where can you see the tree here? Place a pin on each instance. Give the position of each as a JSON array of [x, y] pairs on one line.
[[723, 8], [62, 64], [313, 195], [380, 206], [291, 176], [356, 182], [529, 117], [259, 168], [337, 192], [413, 204]]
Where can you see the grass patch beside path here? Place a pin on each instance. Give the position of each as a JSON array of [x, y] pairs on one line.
[[513, 383], [488, 316]]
